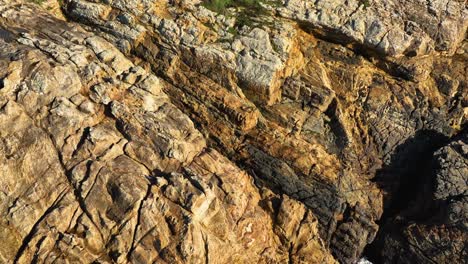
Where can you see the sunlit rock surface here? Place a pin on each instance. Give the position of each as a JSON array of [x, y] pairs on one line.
[[137, 131]]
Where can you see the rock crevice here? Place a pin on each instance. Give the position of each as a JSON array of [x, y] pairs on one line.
[[164, 132]]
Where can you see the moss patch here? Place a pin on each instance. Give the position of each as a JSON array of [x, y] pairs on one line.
[[246, 10], [365, 3]]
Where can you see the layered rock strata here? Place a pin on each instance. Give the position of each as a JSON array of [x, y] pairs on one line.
[[145, 131]]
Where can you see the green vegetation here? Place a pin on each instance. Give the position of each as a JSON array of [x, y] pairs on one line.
[[365, 3], [245, 11], [220, 6]]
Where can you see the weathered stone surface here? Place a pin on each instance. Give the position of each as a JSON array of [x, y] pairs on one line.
[[97, 164], [394, 27], [452, 174], [160, 131], [435, 231]]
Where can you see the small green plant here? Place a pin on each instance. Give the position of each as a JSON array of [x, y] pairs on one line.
[[246, 10], [365, 3], [220, 6], [233, 31], [217, 6]]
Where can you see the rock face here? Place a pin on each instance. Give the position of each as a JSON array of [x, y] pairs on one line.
[[162, 132], [394, 27], [435, 230]]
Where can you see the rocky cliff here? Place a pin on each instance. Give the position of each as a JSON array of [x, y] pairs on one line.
[[275, 131]]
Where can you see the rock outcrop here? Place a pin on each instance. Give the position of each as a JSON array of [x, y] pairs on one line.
[[432, 229], [393, 28], [97, 165], [291, 131]]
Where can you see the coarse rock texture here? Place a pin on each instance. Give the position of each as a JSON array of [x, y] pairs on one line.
[[433, 228], [392, 27], [97, 165], [143, 131]]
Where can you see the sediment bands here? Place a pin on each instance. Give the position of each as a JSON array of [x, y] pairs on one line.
[[187, 131]]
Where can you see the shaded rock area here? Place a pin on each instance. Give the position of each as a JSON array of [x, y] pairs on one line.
[[138, 131], [431, 227]]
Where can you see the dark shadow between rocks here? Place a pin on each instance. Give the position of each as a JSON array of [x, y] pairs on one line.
[[407, 181]]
